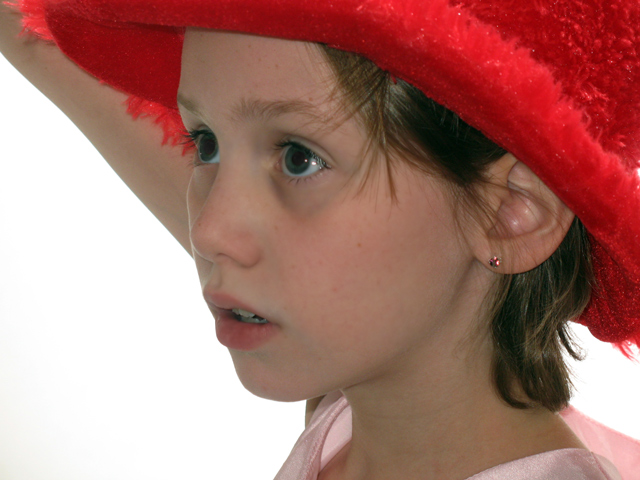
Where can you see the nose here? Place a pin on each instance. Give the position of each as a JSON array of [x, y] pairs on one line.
[[226, 214]]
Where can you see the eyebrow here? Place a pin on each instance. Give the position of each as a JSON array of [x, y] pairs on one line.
[[248, 109]]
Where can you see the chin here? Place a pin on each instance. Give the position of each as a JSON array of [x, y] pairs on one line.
[[266, 383]]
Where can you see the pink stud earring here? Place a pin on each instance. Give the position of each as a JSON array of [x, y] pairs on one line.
[[495, 262]]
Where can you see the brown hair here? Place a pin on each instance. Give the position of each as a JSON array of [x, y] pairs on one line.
[[529, 311]]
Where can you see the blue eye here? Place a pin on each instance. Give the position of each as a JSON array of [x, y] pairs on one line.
[[208, 151], [299, 161], [206, 145]]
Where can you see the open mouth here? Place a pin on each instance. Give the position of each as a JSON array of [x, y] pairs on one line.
[[247, 317]]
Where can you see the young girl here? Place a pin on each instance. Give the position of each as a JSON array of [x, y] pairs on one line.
[[357, 241]]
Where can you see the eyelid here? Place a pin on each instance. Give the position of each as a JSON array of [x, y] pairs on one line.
[[191, 136], [289, 141]]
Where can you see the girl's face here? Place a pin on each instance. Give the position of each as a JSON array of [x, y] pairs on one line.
[[358, 286]]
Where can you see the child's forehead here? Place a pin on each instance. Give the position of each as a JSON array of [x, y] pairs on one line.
[[224, 59], [254, 78]]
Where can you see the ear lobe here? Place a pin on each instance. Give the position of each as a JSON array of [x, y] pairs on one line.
[[529, 220]]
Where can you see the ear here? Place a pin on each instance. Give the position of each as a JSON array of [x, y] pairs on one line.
[[527, 221]]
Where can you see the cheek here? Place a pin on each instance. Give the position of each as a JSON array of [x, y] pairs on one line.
[[356, 292], [328, 258], [200, 184], [197, 193], [389, 262]]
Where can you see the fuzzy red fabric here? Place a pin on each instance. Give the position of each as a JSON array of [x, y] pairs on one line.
[[555, 82]]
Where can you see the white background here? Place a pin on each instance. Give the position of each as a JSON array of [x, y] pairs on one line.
[[109, 364]]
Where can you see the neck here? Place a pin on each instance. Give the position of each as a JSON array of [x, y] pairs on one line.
[[432, 424]]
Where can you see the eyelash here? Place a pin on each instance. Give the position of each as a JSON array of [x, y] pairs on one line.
[[191, 138]]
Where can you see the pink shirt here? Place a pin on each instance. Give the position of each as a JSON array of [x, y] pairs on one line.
[[330, 430]]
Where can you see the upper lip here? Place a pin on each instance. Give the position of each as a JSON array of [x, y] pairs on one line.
[[221, 301]]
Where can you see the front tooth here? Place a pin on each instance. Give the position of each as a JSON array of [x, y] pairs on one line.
[[244, 313], [253, 320]]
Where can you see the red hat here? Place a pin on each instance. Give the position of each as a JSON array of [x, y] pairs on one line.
[[555, 82]]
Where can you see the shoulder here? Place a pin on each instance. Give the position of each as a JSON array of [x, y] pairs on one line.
[[565, 464]]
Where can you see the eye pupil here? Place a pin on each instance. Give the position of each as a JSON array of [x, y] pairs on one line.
[[207, 148], [297, 161]]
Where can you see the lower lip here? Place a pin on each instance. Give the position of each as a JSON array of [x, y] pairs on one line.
[[242, 336]]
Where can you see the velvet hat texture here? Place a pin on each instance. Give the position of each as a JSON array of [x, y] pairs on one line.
[[555, 82]]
